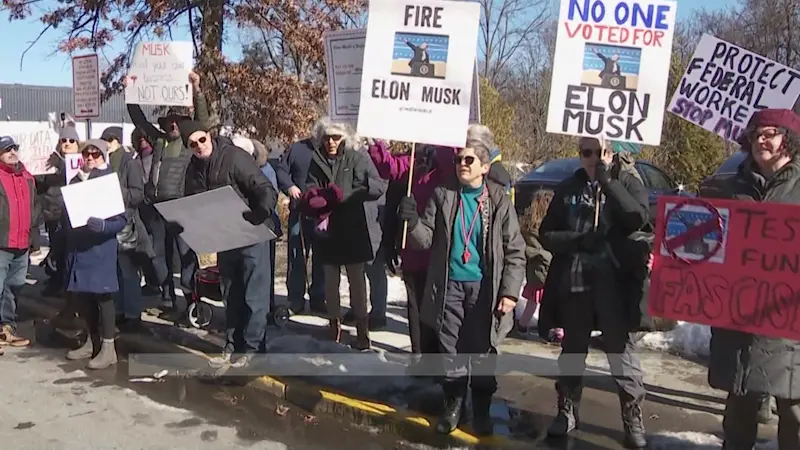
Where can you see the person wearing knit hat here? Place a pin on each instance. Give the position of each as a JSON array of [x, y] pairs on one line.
[[749, 367], [244, 272], [91, 272], [68, 140]]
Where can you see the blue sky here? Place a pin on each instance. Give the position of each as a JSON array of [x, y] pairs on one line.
[[40, 68]]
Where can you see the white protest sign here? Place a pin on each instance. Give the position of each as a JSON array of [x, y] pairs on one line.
[[159, 74], [602, 48], [344, 57], [725, 84], [85, 87], [36, 140], [99, 197], [419, 71], [73, 163]]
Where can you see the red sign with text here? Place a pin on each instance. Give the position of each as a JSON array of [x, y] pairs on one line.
[[728, 264]]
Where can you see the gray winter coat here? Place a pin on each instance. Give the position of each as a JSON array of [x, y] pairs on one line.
[[742, 362], [503, 247]]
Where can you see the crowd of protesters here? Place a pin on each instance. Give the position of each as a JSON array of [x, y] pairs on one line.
[[465, 257]]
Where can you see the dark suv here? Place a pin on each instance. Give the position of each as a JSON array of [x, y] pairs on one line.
[[711, 185], [549, 174]]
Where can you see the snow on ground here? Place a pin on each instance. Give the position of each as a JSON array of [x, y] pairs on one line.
[[689, 340], [696, 441]]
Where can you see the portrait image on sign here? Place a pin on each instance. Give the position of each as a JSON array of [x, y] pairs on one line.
[[611, 66], [694, 233], [420, 55]]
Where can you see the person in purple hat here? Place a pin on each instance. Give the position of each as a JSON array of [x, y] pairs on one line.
[[752, 368]]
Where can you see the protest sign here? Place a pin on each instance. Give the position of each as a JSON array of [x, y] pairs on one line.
[[227, 231], [601, 48], [344, 57], [725, 84], [418, 71], [85, 87], [73, 163], [99, 197], [159, 74], [36, 140], [728, 264]]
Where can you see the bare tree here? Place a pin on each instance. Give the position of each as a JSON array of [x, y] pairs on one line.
[[506, 28]]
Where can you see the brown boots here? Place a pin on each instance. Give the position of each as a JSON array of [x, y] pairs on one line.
[[362, 333], [9, 337]]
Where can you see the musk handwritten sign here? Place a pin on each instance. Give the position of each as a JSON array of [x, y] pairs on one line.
[[159, 74], [753, 282], [725, 84], [610, 69]]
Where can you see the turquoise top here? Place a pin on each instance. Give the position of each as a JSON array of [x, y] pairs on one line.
[[472, 269]]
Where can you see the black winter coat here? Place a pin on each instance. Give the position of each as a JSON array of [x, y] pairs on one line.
[[131, 181], [742, 362], [349, 238], [48, 190], [625, 212], [231, 166]]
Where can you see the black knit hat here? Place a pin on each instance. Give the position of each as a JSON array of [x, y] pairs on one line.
[[187, 127]]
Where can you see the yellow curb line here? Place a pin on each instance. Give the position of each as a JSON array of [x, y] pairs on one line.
[[378, 409]]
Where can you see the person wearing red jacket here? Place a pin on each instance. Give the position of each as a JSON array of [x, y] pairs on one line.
[[17, 222]]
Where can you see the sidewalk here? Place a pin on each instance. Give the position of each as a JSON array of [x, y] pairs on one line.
[[334, 380]]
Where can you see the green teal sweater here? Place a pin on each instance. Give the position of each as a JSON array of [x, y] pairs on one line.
[[472, 270]]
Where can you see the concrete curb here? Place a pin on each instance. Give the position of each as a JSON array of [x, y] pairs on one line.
[[299, 392]]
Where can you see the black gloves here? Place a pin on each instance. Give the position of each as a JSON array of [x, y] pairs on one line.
[[407, 211], [174, 228], [255, 217], [392, 259], [602, 173]]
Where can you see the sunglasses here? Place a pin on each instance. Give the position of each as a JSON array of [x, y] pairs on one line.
[[195, 144], [589, 152], [467, 160], [65, 140], [10, 149], [93, 154], [334, 137]]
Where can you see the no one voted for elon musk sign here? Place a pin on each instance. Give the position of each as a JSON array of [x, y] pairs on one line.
[[751, 283]]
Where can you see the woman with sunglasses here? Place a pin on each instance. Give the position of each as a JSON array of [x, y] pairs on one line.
[[586, 228], [48, 188], [476, 271], [749, 367], [91, 272]]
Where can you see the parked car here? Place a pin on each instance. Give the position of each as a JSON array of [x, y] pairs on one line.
[[711, 185], [549, 174]]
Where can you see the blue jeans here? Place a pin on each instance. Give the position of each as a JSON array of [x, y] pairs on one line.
[[245, 283], [128, 299], [296, 276], [378, 285], [13, 270]]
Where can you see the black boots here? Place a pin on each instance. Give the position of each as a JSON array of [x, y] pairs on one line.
[[451, 413], [482, 423], [567, 418], [633, 424]]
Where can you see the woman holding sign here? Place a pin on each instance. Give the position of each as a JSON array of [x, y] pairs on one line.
[[747, 366], [91, 272]]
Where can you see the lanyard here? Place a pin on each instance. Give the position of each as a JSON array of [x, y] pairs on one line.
[[468, 234]]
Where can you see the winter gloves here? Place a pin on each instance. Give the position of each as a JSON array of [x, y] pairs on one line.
[[320, 202], [96, 225], [255, 217], [407, 211]]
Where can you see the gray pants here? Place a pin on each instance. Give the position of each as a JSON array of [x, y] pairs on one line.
[[602, 306], [740, 424], [466, 328]]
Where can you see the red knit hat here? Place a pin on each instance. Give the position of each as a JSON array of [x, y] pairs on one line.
[[781, 118]]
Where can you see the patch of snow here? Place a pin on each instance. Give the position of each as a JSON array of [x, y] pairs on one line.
[[689, 340], [669, 440]]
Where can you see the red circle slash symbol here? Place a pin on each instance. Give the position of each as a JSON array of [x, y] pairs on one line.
[[695, 231]]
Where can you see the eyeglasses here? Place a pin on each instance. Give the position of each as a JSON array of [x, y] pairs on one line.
[[13, 148], [65, 140], [766, 134], [333, 137], [589, 152], [195, 144], [467, 160], [93, 154]]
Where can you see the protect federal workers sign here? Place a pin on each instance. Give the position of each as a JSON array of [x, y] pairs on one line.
[[603, 47], [418, 71]]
